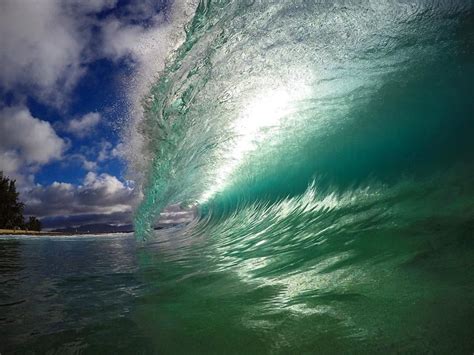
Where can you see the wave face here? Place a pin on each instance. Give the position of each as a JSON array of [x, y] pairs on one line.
[[328, 146], [264, 97]]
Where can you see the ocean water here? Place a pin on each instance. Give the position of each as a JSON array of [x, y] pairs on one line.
[[328, 147], [333, 289], [328, 150]]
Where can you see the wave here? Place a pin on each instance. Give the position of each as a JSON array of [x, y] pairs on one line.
[[328, 149], [262, 97]]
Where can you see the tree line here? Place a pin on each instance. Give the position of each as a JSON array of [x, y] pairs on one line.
[[11, 208]]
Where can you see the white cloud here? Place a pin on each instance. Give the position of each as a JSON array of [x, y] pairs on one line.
[[105, 152], [86, 163], [101, 198], [84, 125], [47, 45], [98, 194], [119, 39], [9, 162], [89, 165], [41, 48], [119, 151], [26, 141], [110, 184]]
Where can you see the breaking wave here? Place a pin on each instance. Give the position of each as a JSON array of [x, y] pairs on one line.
[[328, 149]]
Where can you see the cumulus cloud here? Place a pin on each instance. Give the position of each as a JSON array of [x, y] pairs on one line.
[[99, 194], [9, 162], [84, 125], [26, 141], [83, 161], [41, 49], [47, 45], [105, 152], [101, 198]]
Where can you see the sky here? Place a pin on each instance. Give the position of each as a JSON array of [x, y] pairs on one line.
[[71, 75]]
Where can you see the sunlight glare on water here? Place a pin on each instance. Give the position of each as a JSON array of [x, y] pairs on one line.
[[255, 125]]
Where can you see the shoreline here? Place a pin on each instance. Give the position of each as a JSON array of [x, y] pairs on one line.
[[23, 231]]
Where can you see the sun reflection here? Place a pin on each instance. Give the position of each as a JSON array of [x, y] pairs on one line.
[[262, 116]]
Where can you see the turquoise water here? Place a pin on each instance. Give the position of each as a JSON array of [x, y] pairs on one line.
[[328, 150], [265, 99]]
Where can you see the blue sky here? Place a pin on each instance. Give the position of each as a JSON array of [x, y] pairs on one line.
[[98, 93], [70, 74]]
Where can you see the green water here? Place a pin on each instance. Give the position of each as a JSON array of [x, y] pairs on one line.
[[264, 98], [398, 281], [328, 149]]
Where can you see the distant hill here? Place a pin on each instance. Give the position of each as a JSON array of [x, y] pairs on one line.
[[96, 228]]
